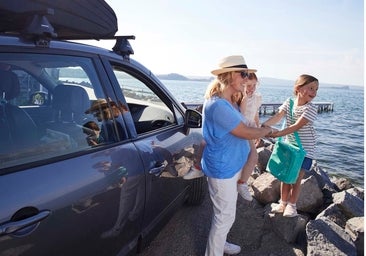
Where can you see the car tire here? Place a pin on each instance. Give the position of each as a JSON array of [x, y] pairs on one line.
[[198, 191]]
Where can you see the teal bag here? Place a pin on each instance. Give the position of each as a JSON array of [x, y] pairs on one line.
[[286, 159]]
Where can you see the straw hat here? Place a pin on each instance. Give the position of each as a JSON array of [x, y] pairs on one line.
[[232, 63], [98, 104]]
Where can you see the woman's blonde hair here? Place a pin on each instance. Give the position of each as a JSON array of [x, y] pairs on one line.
[[217, 86], [304, 80]]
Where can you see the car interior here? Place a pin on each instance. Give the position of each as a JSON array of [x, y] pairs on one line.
[[43, 109]]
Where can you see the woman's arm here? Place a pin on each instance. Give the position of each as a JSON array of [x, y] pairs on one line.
[[250, 133], [292, 128]]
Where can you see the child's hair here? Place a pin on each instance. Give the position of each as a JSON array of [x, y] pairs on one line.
[[252, 76], [304, 80]]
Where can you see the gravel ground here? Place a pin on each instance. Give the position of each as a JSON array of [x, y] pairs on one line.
[[186, 233]]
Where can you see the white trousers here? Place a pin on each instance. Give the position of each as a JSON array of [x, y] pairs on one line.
[[223, 194]]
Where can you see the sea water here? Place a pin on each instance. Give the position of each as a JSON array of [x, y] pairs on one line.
[[340, 133]]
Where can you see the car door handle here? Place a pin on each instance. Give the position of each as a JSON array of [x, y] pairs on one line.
[[13, 226], [158, 169]]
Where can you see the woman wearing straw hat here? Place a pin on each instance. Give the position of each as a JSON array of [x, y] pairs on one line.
[[226, 135]]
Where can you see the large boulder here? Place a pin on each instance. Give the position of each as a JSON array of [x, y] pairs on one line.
[[352, 206], [334, 213], [311, 197], [324, 237], [266, 188]]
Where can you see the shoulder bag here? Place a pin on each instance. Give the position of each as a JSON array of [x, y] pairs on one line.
[[286, 158]]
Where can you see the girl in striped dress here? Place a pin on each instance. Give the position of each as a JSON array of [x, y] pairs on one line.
[[303, 117]]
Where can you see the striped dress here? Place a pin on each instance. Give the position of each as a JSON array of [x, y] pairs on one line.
[[307, 133]]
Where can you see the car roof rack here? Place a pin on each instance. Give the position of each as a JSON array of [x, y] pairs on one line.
[[123, 46], [40, 29], [35, 27]]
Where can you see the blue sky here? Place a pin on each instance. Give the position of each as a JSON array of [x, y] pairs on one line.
[[280, 38]]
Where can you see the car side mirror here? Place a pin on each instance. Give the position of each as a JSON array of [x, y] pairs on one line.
[[38, 98], [193, 118]]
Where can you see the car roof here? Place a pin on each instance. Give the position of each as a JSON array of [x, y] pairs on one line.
[[16, 40], [65, 45]]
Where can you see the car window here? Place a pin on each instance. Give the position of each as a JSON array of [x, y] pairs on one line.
[[51, 106], [149, 111]]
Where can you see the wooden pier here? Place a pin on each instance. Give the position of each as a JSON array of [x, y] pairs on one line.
[[272, 108]]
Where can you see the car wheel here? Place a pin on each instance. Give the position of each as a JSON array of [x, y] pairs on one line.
[[197, 191]]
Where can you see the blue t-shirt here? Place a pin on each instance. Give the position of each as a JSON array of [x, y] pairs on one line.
[[224, 154]]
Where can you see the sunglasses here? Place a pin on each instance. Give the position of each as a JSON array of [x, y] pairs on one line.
[[243, 74]]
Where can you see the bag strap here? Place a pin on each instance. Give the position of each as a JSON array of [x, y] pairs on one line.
[[298, 141]]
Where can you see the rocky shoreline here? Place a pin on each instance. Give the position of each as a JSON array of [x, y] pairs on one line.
[[331, 211], [330, 220]]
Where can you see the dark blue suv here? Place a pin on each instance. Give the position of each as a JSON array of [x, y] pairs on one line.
[[93, 149]]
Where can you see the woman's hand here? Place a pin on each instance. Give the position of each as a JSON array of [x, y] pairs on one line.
[[272, 132], [275, 133]]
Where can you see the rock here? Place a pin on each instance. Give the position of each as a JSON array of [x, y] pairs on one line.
[[266, 188], [263, 157], [342, 183], [359, 192], [352, 206], [334, 213], [324, 237], [287, 228], [321, 176], [355, 228], [330, 220], [311, 197]]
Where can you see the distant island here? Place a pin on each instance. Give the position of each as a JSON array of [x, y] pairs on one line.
[[263, 80], [346, 87], [175, 76]]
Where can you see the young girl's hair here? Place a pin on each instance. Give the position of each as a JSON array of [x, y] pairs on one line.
[[252, 76], [304, 80]]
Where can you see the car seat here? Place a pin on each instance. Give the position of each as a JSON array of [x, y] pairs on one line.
[[69, 103], [17, 129]]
